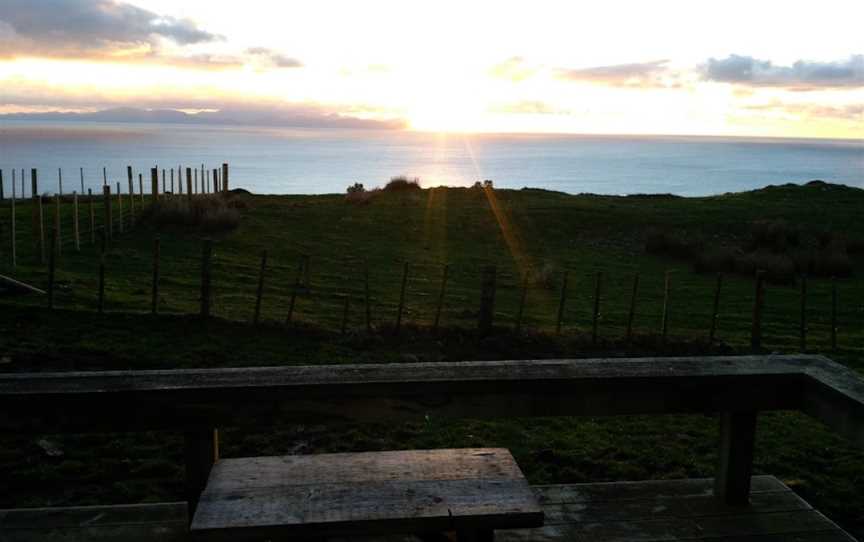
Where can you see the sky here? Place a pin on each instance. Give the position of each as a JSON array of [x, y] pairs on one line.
[[765, 68]]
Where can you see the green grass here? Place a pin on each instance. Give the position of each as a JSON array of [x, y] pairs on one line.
[[541, 231]]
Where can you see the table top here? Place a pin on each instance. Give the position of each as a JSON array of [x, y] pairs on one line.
[[411, 491]]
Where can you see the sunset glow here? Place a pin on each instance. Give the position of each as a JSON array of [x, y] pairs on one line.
[[766, 69]]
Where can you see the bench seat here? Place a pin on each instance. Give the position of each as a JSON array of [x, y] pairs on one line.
[[469, 491]]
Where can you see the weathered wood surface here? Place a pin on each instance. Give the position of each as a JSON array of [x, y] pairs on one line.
[[346, 494], [664, 510], [180, 399]]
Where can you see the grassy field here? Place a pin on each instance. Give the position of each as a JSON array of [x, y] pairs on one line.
[[539, 233]]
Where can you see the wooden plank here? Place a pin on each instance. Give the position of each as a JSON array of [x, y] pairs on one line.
[[281, 471], [624, 491], [122, 400], [377, 492]]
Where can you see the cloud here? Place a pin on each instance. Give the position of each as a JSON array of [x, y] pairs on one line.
[[531, 107], [846, 112], [90, 29], [802, 75], [273, 58], [639, 74]]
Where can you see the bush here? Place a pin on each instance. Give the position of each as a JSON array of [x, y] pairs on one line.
[[775, 235], [778, 268], [715, 259], [361, 197], [673, 243], [402, 184], [356, 188], [208, 213]]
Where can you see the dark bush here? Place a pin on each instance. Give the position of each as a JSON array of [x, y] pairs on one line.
[[210, 213], [672, 243], [778, 268], [402, 184], [715, 259], [775, 235]]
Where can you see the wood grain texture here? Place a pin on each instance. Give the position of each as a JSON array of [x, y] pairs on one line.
[[365, 493], [181, 399]]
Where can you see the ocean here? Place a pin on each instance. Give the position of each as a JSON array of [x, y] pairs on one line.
[[313, 161]]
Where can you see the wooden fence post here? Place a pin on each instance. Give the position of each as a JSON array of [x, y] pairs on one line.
[[834, 313], [260, 291], [441, 292], [14, 233], [598, 285], [225, 177], [195, 181], [715, 312], [75, 226], [758, 302], [172, 181], [163, 180], [92, 209], [189, 186], [60, 181], [154, 185], [131, 183], [141, 189], [522, 298], [120, 226], [294, 292], [108, 224], [132, 199], [366, 296], [102, 269], [402, 298], [803, 330], [2, 195], [81, 171], [38, 221], [52, 256], [154, 302], [487, 300], [664, 319], [562, 303], [631, 314], [206, 259], [58, 244], [104, 176]]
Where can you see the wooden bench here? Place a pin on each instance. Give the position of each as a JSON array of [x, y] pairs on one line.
[[198, 401], [470, 492]]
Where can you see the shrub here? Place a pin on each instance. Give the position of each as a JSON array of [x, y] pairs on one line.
[[775, 235], [402, 184], [715, 259], [356, 188], [778, 268], [208, 213], [361, 197], [673, 243]]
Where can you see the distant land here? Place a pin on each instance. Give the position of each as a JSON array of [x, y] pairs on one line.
[[308, 118]]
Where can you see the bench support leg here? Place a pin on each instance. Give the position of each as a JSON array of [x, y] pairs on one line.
[[737, 437], [201, 452]]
